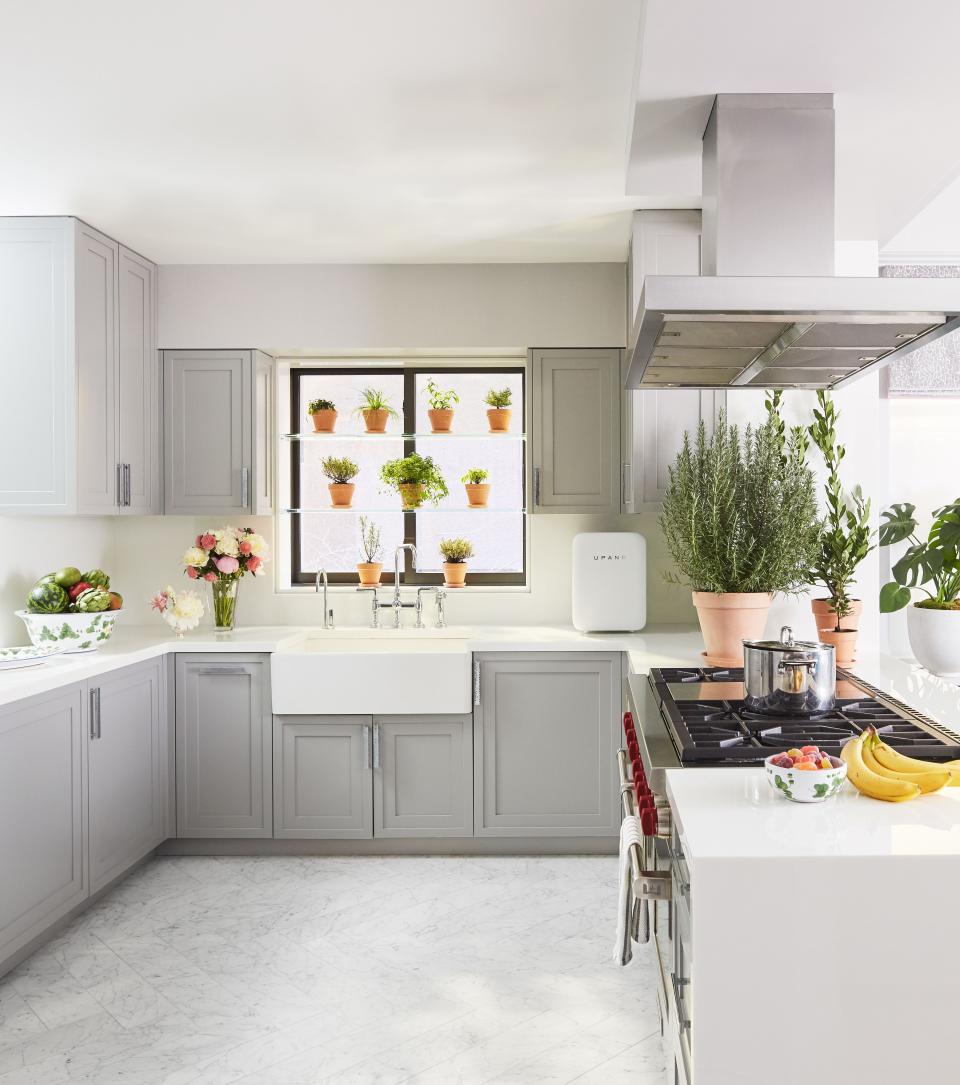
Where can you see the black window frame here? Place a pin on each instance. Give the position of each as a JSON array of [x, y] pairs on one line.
[[409, 575]]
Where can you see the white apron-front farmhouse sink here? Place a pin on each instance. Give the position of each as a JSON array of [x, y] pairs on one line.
[[388, 672]]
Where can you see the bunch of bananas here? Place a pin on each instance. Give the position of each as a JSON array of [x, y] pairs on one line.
[[877, 770]]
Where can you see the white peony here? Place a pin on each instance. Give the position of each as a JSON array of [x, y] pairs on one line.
[[258, 545], [195, 556], [188, 606], [227, 543]]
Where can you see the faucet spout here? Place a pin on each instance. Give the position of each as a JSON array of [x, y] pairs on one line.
[[396, 567], [327, 613]]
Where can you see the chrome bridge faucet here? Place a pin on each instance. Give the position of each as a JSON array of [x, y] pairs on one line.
[[396, 604]]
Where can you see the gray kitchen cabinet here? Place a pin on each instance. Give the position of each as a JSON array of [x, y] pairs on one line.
[[544, 732], [322, 777], [216, 431], [223, 728], [660, 420], [42, 813], [575, 430], [126, 750], [423, 776]]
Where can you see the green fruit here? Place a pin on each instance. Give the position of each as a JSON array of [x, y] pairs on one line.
[[93, 599], [47, 599], [50, 578], [67, 577], [96, 578]]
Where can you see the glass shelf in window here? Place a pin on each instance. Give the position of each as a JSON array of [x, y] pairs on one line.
[[453, 435], [341, 509]]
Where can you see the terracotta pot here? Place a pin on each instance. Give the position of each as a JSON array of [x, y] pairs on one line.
[[499, 419], [375, 421], [727, 619], [369, 572], [478, 493], [324, 421], [844, 643], [825, 617], [441, 421], [454, 574], [341, 494], [411, 493]]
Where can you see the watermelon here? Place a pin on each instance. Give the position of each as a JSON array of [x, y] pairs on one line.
[[93, 599], [67, 577], [50, 578], [97, 578], [47, 599]]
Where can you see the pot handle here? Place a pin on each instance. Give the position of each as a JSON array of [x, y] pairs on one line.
[[809, 662]]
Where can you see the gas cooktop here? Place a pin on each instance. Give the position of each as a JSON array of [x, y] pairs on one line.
[[709, 723]]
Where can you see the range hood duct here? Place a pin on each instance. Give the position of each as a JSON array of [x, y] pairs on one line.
[[767, 310]]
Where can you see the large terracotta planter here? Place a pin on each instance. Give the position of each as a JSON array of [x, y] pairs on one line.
[[324, 421], [369, 572], [727, 619], [478, 493], [499, 419], [454, 574], [411, 493], [375, 421], [935, 639], [341, 494], [441, 421]]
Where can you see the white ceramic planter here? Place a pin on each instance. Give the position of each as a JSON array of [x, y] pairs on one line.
[[935, 639]]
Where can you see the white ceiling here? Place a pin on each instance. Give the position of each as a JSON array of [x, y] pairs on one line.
[[238, 131]]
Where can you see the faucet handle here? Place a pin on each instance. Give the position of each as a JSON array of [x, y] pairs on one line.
[[330, 624]]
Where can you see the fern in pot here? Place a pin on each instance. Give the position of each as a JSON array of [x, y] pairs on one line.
[[740, 522]]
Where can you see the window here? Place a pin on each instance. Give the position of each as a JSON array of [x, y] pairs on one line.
[[321, 536]]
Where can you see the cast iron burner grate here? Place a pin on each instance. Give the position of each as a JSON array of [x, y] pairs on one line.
[[700, 674]]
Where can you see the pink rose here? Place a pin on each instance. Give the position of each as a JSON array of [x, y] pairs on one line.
[[198, 541], [192, 572], [209, 576], [228, 565], [253, 564], [245, 548], [207, 542]]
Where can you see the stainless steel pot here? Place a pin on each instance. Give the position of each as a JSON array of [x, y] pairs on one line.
[[789, 677]]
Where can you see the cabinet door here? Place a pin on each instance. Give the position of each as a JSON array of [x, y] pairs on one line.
[[208, 424], [576, 430], [138, 381], [125, 773], [223, 717], [96, 316], [42, 751], [544, 733], [664, 417], [322, 777], [423, 776]]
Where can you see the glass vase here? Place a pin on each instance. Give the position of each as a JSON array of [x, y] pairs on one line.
[[224, 593]]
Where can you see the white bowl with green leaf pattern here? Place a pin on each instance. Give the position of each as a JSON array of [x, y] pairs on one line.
[[806, 785], [84, 632]]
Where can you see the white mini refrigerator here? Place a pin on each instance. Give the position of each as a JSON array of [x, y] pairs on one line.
[[609, 581]]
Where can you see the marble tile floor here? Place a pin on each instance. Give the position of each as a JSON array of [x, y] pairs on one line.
[[302, 970]]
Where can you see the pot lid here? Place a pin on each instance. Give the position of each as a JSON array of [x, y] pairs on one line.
[[786, 643]]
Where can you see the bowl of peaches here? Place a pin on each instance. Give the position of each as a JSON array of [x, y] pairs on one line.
[[805, 774]]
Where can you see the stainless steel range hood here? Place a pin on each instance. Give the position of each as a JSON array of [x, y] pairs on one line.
[[767, 310]]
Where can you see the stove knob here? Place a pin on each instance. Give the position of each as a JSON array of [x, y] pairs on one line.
[[648, 822], [636, 767], [633, 749], [628, 727]]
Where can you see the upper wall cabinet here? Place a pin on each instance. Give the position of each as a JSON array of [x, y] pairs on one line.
[[575, 430], [217, 432], [79, 426]]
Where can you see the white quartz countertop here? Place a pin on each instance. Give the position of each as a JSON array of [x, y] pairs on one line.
[[734, 814]]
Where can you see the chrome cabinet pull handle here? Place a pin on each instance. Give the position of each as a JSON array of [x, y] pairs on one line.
[[244, 486], [126, 484], [376, 745], [536, 486], [626, 485], [223, 670], [99, 720], [92, 724], [119, 484], [367, 752], [476, 683]]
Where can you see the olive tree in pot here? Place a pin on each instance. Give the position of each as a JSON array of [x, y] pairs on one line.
[[740, 521], [845, 540], [933, 567], [370, 569]]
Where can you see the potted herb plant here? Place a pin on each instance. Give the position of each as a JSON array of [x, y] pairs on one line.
[[931, 565], [324, 414], [376, 410], [441, 409], [477, 487], [845, 540], [416, 479], [498, 416], [371, 548], [340, 471], [740, 521], [455, 553]]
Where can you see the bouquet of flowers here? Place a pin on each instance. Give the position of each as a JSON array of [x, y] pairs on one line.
[[223, 557], [180, 610]]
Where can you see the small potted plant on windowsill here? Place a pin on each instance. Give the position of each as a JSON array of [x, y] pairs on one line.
[[416, 479], [324, 415], [376, 410], [340, 471], [455, 553], [371, 548], [933, 624], [441, 409], [498, 416], [477, 487]]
